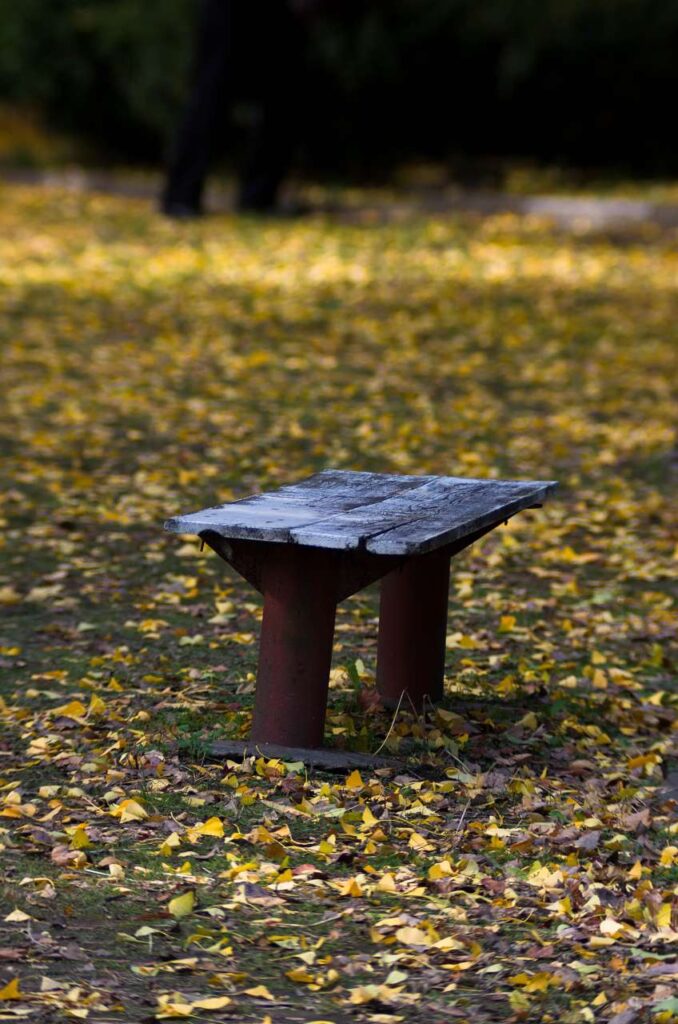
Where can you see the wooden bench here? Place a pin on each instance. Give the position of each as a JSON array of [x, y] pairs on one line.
[[312, 544]]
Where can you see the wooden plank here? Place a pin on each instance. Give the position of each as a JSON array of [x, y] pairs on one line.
[[268, 522], [330, 760], [274, 515], [467, 511]]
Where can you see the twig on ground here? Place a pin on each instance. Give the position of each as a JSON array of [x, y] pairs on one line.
[[390, 728]]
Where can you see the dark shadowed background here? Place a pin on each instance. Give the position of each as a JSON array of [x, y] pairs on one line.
[[567, 82]]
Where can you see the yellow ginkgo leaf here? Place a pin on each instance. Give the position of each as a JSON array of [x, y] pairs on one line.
[[668, 856], [386, 883], [172, 1006], [664, 916], [351, 887], [11, 990], [170, 844], [75, 709], [300, 975], [369, 820], [18, 915], [80, 840], [419, 842], [373, 993], [97, 706], [354, 780], [182, 905], [212, 827], [413, 936], [443, 869], [259, 992], [212, 1003], [130, 810]]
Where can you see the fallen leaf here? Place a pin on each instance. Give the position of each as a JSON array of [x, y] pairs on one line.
[[182, 905]]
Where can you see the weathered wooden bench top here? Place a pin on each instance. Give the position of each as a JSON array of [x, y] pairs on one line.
[[382, 513]]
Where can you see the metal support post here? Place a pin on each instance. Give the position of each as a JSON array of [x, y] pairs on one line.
[[412, 629], [300, 592]]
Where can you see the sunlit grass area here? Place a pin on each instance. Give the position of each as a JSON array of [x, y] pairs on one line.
[[519, 862]]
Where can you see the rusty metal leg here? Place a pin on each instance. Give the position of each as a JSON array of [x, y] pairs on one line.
[[412, 628], [300, 596]]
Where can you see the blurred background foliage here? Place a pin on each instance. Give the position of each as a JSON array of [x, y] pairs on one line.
[[567, 82]]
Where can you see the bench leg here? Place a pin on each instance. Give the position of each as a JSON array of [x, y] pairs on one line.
[[412, 630], [300, 588]]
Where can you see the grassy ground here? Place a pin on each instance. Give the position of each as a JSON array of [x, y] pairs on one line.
[[522, 863]]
